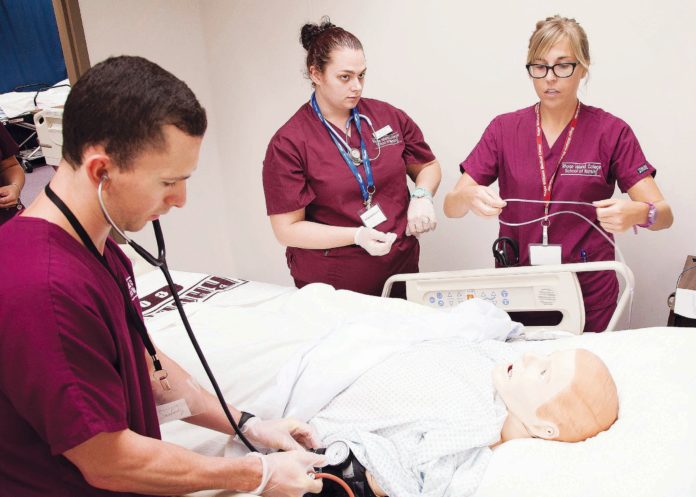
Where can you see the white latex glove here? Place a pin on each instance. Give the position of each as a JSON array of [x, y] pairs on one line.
[[288, 474], [421, 216], [483, 201], [373, 241], [282, 434]]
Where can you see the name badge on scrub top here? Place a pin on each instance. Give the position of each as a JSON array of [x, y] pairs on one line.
[[544, 255], [372, 216]]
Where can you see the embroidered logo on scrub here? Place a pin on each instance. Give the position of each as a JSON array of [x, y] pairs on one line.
[[643, 168], [581, 169], [132, 292], [387, 140]]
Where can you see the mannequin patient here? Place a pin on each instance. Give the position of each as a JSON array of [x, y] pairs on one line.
[[566, 396]]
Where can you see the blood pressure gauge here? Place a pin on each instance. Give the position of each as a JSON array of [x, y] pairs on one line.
[[336, 453]]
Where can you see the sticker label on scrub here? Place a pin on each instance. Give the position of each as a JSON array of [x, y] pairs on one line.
[[543, 255], [171, 411], [373, 216]]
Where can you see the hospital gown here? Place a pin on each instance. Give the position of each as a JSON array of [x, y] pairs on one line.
[[422, 421], [411, 394]]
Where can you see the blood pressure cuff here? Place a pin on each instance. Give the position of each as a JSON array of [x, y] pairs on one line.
[[351, 472]]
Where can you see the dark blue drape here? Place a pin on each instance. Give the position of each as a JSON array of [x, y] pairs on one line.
[[30, 49]]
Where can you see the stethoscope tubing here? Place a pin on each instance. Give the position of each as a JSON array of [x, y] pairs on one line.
[[161, 262]]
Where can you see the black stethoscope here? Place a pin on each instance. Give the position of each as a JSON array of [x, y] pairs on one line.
[[160, 262]]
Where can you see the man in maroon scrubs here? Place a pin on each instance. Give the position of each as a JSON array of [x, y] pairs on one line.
[[77, 401]]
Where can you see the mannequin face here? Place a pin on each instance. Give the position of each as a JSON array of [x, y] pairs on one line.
[[531, 382]]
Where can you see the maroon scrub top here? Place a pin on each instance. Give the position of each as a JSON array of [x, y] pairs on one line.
[[603, 152], [303, 169], [71, 367]]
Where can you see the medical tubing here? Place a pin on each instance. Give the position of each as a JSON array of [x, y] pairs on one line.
[[601, 232], [329, 476], [201, 357]]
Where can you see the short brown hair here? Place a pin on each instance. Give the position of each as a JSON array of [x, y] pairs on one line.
[[122, 104]]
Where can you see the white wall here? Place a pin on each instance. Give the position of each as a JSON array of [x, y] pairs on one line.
[[451, 65], [170, 33]]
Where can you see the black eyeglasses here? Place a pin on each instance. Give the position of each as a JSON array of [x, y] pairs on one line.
[[561, 70]]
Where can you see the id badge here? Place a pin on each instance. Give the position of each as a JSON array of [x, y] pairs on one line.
[[685, 303], [373, 216], [183, 400], [544, 255], [382, 132]]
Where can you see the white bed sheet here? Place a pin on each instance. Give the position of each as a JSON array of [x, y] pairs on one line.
[[650, 451]]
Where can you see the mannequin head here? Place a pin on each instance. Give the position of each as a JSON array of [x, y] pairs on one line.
[[567, 396]]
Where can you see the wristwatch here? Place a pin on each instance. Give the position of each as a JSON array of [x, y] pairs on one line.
[[246, 416], [420, 192]]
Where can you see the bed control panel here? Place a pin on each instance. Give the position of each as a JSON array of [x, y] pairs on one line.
[[503, 297], [554, 292]]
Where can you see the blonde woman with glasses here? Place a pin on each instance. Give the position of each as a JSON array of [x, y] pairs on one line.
[[560, 149]]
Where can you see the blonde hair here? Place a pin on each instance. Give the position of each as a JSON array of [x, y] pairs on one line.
[[588, 406], [554, 29]]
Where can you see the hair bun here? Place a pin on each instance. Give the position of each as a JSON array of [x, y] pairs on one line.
[[311, 32]]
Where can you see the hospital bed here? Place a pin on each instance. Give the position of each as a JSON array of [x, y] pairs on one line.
[[249, 329]]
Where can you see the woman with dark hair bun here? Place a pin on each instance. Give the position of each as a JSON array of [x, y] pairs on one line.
[[334, 175]]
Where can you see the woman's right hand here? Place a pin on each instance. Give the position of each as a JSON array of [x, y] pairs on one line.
[[373, 241], [468, 195], [9, 195], [482, 200], [290, 473]]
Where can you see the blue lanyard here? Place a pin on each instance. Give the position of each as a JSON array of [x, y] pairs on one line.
[[341, 145]]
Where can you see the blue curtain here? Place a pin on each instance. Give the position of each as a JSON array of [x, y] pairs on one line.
[[30, 51]]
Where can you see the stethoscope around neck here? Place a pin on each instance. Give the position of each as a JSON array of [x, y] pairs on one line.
[[355, 116], [161, 262]]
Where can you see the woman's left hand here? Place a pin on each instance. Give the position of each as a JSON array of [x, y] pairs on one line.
[[617, 215], [9, 195], [421, 216]]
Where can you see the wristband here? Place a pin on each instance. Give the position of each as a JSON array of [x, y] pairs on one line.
[[652, 217]]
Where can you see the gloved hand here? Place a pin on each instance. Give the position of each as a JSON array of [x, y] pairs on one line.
[[287, 474], [421, 216], [373, 241], [283, 434]]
